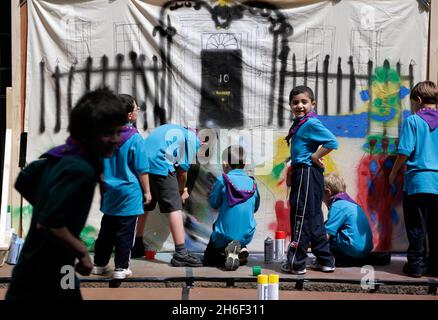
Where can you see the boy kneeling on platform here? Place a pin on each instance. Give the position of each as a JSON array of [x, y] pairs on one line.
[[237, 198]]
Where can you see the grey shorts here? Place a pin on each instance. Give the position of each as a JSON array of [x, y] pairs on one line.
[[165, 191]]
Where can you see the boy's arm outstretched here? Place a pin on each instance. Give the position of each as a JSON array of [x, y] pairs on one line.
[[399, 162], [215, 198], [257, 202]]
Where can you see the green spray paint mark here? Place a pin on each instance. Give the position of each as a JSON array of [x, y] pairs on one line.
[[386, 104], [88, 236], [277, 170], [379, 144], [385, 110], [385, 74]]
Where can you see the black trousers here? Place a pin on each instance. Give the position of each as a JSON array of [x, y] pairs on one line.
[[373, 258], [117, 232], [214, 256], [307, 221], [421, 220]]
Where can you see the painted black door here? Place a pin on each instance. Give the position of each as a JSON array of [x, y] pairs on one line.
[[221, 102]]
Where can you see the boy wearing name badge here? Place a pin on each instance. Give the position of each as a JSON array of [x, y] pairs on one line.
[[237, 198]]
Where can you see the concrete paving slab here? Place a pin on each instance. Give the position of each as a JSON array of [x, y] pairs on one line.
[[227, 294], [160, 269]]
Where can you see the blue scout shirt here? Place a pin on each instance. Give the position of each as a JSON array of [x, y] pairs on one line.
[[420, 144], [351, 231], [170, 144], [122, 191], [237, 222], [307, 139]]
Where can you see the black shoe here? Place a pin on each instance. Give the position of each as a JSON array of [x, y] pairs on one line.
[[410, 272], [232, 255], [185, 260], [138, 250]]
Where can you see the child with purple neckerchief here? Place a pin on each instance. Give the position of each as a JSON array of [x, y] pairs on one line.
[[418, 148], [237, 198]]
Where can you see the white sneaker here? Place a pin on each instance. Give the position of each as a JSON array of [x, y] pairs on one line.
[[120, 273], [285, 267], [100, 270], [316, 266]]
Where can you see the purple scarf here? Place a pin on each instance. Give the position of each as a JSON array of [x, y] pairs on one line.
[[127, 132], [234, 195], [340, 196], [297, 124], [70, 148], [430, 116]]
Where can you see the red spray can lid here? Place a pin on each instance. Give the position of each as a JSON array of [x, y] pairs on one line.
[[280, 235]]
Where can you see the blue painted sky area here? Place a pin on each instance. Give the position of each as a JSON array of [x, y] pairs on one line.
[[350, 126]]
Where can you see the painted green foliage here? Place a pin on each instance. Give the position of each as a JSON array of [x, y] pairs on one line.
[[385, 110]]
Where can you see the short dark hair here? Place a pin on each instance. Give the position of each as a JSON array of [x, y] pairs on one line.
[[128, 102], [234, 156], [427, 91], [96, 113], [301, 89]]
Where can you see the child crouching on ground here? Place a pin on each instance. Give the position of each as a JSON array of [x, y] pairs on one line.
[[350, 235], [236, 196]]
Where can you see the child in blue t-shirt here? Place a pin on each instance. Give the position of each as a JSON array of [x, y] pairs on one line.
[[350, 235], [171, 152], [418, 148], [309, 142], [125, 185], [236, 197]]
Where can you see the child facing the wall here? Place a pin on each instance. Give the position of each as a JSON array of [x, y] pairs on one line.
[[125, 185], [418, 148], [237, 198]]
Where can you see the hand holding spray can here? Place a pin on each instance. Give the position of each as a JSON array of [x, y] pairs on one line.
[[280, 237]]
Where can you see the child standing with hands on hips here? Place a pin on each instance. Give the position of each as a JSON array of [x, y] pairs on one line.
[[309, 141]]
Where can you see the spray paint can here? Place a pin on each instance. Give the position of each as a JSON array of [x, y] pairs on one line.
[[273, 286], [280, 237], [269, 250], [262, 287]]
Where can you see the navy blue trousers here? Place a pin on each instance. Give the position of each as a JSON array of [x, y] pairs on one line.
[[306, 218], [117, 232], [421, 220]]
